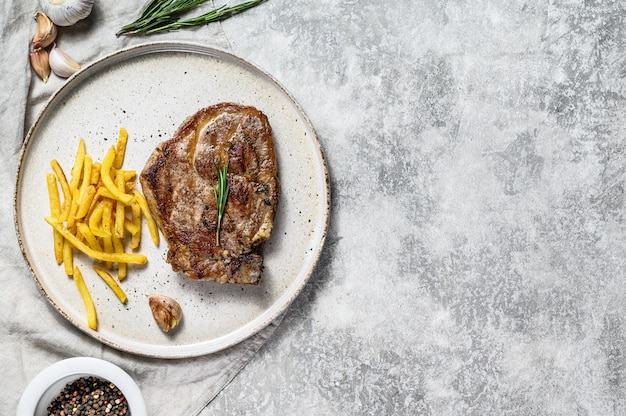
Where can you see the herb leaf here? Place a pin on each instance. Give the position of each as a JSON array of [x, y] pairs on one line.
[[161, 16], [221, 195]]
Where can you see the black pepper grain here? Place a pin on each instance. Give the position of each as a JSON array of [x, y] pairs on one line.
[[89, 396]]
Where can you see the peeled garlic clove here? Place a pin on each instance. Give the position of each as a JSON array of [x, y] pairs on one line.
[[61, 64], [39, 60], [166, 311], [46, 31], [66, 12]]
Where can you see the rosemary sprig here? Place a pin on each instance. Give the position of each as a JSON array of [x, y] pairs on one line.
[[158, 13], [221, 195], [164, 16]]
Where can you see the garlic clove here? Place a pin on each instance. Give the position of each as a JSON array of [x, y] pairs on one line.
[[39, 60], [61, 64], [46, 31], [166, 311], [66, 12]]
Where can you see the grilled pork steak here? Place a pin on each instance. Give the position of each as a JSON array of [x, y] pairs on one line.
[[178, 182]]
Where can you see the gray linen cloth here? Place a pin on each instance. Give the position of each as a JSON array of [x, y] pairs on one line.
[[33, 334]]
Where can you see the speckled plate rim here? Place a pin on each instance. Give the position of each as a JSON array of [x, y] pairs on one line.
[[289, 295]]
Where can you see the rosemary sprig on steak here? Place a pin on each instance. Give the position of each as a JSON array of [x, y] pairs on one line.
[[164, 16], [221, 195]]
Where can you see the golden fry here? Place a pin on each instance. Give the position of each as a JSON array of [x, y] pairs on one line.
[[87, 166], [120, 152], [65, 187], [58, 170], [145, 210], [102, 191], [98, 255], [92, 320], [128, 174], [91, 239], [135, 238], [68, 257], [95, 220], [107, 216], [59, 242], [55, 211], [107, 245], [71, 219], [85, 198], [117, 289], [105, 175], [78, 165], [120, 219], [53, 195], [131, 226], [120, 210], [95, 173], [118, 247]]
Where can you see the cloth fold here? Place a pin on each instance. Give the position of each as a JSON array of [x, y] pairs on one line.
[[33, 334]]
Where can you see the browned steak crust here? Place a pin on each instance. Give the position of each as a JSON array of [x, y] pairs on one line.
[[178, 182]]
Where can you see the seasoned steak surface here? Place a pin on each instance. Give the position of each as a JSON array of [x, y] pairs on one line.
[[178, 182]]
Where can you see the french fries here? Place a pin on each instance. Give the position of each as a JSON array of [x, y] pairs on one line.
[[152, 227], [107, 180], [120, 150], [99, 215], [92, 320], [55, 210], [110, 280]]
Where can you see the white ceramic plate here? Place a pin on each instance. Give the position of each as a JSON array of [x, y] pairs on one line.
[[49, 383], [149, 90]]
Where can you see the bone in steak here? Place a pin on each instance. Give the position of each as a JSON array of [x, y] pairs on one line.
[[178, 182]]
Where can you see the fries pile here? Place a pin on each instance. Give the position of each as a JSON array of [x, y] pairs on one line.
[[100, 215]]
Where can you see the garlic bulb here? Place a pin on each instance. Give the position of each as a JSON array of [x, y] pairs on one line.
[[66, 12], [61, 64], [46, 31], [39, 60]]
